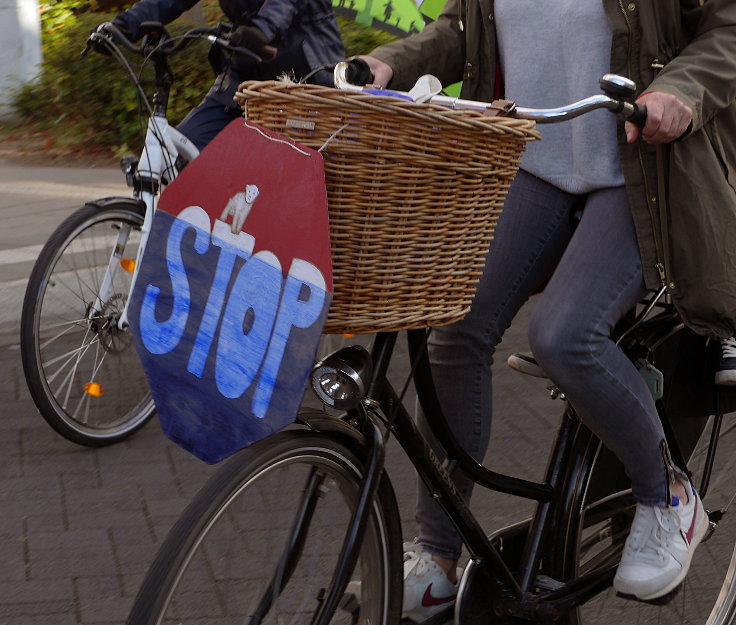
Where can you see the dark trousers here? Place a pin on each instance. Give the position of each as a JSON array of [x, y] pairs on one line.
[[595, 277], [213, 113]]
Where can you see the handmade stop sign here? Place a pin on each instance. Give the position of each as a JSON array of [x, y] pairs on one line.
[[233, 291]]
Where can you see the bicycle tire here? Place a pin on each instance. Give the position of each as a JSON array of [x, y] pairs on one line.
[[227, 545], [82, 372], [596, 530]]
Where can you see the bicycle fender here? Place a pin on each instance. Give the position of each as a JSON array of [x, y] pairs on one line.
[[134, 204], [319, 422]]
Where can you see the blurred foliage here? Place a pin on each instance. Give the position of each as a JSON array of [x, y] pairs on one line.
[[359, 39], [89, 103]]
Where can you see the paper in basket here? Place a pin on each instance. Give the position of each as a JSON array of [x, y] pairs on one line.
[[233, 291]]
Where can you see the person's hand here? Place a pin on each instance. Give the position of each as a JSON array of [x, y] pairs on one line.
[[667, 118], [97, 36], [252, 38], [358, 72], [382, 72]]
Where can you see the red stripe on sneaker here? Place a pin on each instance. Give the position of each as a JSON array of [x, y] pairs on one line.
[[428, 600], [689, 536]]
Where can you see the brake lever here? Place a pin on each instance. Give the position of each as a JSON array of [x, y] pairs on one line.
[[223, 43], [97, 35]]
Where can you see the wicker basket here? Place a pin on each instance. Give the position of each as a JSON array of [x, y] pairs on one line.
[[414, 194]]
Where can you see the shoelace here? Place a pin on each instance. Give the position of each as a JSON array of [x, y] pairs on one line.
[[419, 561], [650, 541], [729, 347], [410, 548]]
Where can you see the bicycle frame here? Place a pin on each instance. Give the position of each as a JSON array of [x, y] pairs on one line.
[[571, 461], [157, 165], [164, 147]]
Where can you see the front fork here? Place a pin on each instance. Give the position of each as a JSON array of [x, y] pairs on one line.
[[375, 447], [114, 266], [150, 200], [329, 601]]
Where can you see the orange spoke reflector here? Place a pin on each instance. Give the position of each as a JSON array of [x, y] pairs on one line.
[[128, 264], [347, 335], [94, 389]]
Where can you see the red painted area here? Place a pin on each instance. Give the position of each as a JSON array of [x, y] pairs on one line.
[[289, 216]]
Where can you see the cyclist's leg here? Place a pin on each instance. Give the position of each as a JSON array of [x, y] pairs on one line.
[[598, 280], [213, 113], [531, 235]]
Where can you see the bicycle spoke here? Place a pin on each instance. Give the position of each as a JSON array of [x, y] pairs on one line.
[[85, 398], [72, 324], [253, 552], [82, 286], [73, 371], [66, 357], [292, 548], [73, 354]]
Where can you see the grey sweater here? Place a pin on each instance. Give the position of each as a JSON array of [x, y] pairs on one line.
[[553, 52]]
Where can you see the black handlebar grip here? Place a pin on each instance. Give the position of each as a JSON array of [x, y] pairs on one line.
[[639, 115], [358, 72]]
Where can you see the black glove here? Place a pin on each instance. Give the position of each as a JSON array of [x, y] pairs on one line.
[[252, 38], [98, 45], [358, 72]]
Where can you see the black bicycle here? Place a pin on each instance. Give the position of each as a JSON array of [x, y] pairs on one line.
[[303, 527]]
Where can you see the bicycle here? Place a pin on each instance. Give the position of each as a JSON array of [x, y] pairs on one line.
[[78, 358], [329, 550]]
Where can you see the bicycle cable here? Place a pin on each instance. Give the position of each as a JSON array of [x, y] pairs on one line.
[[415, 363], [169, 165], [304, 79], [136, 80]]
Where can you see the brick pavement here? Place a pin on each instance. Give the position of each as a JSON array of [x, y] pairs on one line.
[[79, 526]]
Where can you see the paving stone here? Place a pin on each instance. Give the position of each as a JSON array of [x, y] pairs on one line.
[[101, 600], [13, 555], [62, 618], [44, 592], [69, 554]]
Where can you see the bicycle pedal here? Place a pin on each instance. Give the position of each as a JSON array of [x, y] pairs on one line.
[[663, 600]]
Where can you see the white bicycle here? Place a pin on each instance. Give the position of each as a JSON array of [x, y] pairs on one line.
[[79, 360]]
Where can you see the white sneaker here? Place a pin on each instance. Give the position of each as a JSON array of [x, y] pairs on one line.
[[427, 590], [658, 551]]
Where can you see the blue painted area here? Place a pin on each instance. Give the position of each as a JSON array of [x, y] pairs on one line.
[[213, 309], [226, 342], [160, 337], [297, 310], [388, 92], [254, 300]]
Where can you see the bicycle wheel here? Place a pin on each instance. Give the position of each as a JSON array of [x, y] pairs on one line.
[[708, 594], [225, 560], [82, 371]]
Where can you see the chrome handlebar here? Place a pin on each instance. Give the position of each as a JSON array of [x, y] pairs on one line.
[[618, 92]]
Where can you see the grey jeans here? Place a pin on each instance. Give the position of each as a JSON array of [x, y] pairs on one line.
[[594, 277]]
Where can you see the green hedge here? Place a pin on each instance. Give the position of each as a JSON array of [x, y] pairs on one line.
[[88, 102]]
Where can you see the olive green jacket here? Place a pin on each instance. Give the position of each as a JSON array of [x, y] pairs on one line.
[[683, 47]]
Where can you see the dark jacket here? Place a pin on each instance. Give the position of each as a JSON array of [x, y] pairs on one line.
[[304, 32], [683, 47]]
